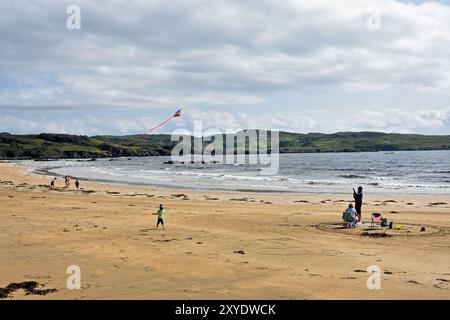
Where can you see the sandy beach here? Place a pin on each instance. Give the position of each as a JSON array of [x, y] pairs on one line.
[[216, 245]]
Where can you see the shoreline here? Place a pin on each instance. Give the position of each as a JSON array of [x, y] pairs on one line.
[[128, 184], [216, 245], [285, 153], [105, 184]]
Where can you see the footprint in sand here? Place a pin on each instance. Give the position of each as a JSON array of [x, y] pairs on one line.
[[262, 268], [443, 284], [165, 240]]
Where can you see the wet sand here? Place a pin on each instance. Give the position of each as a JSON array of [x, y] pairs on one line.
[[217, 245]]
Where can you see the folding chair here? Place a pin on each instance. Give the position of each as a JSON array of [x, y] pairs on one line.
[[376, 219]]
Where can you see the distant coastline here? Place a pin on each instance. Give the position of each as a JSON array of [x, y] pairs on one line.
[[46, 146]]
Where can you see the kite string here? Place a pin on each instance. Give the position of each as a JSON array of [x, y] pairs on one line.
[[159, 125]]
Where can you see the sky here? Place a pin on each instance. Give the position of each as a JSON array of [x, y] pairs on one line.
[[293, 65]]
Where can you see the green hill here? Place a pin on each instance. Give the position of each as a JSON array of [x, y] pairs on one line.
[[360, 141], [56, 146]]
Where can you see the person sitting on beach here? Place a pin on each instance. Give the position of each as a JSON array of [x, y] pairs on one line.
[[52, 183], [77, 184], [358, 196], [350, 216], [160, 214]]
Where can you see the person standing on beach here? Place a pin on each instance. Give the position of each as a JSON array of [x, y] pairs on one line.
[[52, 183], [77, 184], [160, 214], [358, 196]]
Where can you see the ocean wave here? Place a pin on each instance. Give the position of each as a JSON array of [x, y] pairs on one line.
[[352, 176], [328, 183], [318, 174]]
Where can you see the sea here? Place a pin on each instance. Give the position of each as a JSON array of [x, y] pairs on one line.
[[400, 172]]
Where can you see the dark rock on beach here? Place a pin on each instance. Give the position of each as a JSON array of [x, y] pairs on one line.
[[30, 287]]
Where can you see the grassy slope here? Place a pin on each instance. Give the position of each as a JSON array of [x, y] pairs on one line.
[[44, 146], [360, 141]]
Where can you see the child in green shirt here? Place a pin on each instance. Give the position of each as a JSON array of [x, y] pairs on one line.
[[160, 214]]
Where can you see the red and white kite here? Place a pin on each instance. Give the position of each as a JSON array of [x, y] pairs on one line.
[[177, 114]]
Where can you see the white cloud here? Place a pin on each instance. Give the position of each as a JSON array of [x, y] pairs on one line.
[[395, 120], [221, 54], [84, 125], [386, 120]]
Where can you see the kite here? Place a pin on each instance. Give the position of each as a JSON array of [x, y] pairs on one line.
[[177, 114]]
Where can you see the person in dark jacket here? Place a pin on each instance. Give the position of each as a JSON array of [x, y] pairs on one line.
[[358, 196]]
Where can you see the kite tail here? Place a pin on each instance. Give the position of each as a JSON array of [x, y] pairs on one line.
[[159, 125]]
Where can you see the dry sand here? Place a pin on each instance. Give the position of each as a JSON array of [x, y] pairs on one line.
[[216, 245]]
